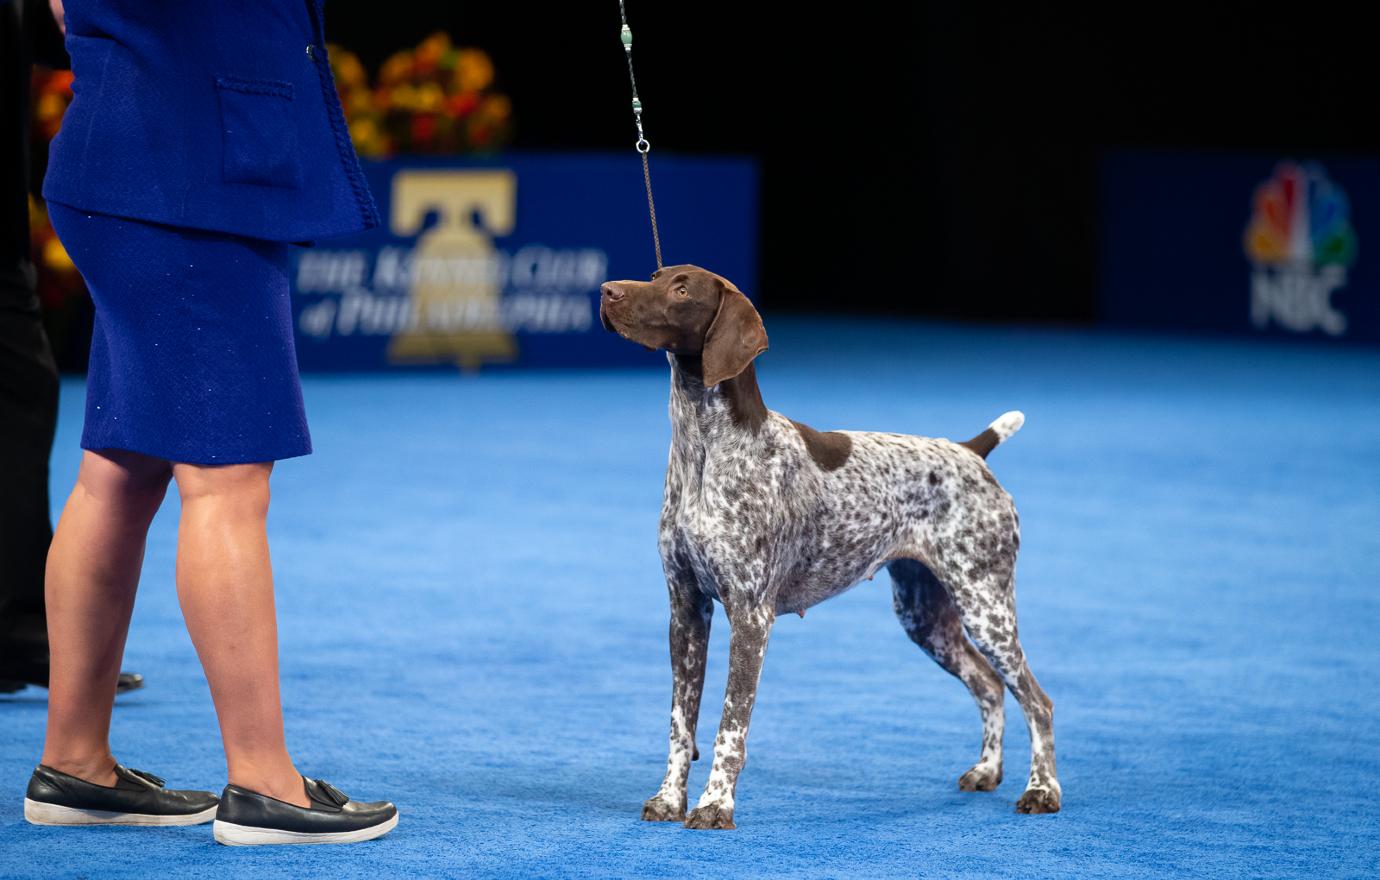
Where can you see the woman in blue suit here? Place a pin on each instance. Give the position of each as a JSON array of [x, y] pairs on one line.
[[204, 138]]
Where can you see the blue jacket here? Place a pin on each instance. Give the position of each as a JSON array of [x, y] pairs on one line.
[[208, 114]]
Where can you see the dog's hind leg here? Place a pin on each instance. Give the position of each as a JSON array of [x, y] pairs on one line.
[[932, 621], [691, 613], [987, 605]]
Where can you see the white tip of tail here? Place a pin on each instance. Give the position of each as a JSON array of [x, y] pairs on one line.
[[1008, 424]]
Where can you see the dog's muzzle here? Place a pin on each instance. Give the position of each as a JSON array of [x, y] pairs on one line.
[[608, 294]]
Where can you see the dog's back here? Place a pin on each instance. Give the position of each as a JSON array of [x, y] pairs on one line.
[[888, 496]]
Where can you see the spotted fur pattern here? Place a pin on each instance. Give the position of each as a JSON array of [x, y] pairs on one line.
[[752, 520]]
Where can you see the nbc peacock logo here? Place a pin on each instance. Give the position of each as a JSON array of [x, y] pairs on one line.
[[1300, 243]]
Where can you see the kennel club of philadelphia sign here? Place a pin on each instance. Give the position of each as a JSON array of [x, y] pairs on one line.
[[486, 264]]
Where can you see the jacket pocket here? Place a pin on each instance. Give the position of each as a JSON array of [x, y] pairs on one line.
[[259, 132]]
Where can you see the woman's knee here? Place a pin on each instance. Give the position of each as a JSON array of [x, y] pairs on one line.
[[124, 477], [241, 485]]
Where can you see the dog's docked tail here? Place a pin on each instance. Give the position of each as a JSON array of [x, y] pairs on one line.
[[1006, 425]]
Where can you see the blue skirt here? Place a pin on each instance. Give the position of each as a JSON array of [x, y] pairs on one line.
[[192, 354]]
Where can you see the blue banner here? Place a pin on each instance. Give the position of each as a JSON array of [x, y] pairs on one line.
[[487, 263], [1272, 246]]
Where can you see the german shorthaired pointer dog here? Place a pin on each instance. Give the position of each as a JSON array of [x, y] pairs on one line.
[[768, 516]]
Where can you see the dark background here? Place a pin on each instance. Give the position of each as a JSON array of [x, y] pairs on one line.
[[938, 158]]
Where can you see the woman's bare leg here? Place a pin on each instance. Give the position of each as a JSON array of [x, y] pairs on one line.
[[93, 574], [225, 585]]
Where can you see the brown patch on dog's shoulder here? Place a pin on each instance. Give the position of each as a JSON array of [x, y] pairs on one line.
[[982, 443], [829, 449]]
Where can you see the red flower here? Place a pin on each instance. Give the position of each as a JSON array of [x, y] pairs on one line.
[[423, 128], [463, 104]]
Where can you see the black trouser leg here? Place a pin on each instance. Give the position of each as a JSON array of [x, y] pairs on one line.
[[28, 417]]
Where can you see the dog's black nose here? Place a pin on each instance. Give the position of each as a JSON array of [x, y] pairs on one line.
[[612, 293]]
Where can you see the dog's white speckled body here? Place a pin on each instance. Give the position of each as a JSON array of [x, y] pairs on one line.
[[767, 516]]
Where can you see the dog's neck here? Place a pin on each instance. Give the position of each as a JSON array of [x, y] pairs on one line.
[[736, 402]]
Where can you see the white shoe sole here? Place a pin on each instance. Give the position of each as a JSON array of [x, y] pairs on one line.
[[39, 813], [231, 834]]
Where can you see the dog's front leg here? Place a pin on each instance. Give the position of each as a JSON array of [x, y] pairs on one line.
[[691, 612], [747, 648]]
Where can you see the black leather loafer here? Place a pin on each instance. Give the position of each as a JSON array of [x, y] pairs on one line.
[[136, 798], [246, 818]]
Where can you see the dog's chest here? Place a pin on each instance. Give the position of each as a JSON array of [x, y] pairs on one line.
[[724, 504], [772, 521], [710, 498]]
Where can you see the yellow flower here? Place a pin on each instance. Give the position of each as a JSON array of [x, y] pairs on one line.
[[430, 98], [363, 131], [349, 72], [434, 46], [55, 256], [396, 68], [404, 97], [474, 72], [359, 103], [50, 106], [496, 108]]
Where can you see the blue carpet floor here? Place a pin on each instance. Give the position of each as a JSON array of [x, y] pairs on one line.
[[473, 625]]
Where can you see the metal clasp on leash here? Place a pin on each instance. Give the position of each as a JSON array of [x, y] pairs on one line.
[[643, 146]]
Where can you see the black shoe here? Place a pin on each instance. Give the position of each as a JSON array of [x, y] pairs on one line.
[[18, 672], [137, 798], [246, 818]]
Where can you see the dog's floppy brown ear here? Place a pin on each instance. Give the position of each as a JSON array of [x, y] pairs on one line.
[[734, 338]]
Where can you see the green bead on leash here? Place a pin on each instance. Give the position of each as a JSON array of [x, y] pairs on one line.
[[643, 146]]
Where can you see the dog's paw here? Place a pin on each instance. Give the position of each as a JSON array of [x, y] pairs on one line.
[[1039, 800], [980, 778], [710, 816], [659, 809]]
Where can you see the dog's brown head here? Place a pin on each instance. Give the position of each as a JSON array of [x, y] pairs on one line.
[[687, 310]]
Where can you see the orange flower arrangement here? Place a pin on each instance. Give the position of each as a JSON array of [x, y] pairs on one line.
[[58, 279], [437, 98]]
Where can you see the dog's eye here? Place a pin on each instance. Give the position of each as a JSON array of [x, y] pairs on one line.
[[682, 291]]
